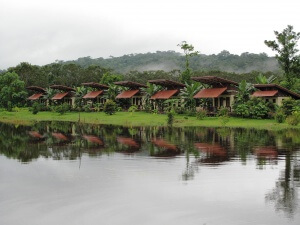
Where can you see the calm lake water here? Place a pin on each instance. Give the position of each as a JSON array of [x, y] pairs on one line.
[[65, 173]]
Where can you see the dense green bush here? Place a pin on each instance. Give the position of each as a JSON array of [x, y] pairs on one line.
[[36, 107], [62, 108], [132, 109], [242, 110], [110, 107], [201, 114], [280, 116], [223, 111], [289, 105], [293, 119]]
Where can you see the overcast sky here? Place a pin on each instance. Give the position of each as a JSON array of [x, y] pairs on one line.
[[42, 31]]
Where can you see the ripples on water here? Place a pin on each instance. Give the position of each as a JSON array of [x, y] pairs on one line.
[[63, 173]]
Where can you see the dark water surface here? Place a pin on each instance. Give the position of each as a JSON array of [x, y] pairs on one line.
[[64, 173]]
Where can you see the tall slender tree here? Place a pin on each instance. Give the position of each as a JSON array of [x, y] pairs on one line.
[[286, 47], [189, 52]]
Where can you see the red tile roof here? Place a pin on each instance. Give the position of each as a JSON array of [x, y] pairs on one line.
[[265, 93], [62, 88], [127, 94], [35, 96], [277, 87], [165, 94], [93, 94], [59, 96], [167, 83], [210, 93]]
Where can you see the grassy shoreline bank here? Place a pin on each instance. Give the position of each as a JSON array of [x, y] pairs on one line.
[[25, 117]]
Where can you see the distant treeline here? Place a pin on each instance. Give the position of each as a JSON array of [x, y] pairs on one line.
[[170, 60], [72, 74]]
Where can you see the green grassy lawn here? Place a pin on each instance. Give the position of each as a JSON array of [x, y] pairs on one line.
[[137, 119]]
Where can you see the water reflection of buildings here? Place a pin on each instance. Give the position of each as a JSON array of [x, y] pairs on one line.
[[131, 145], [214, 153], [165, 148]]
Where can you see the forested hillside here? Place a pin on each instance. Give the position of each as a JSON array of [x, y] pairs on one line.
[[170, 60]]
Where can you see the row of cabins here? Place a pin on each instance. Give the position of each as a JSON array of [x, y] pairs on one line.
[[221, 91]]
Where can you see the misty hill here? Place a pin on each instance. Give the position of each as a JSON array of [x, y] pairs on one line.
[[171, 60]]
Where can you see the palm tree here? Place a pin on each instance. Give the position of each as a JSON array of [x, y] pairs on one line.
[[79, 93], [149, 91], [261, 79], [188, 94], [244, 90]]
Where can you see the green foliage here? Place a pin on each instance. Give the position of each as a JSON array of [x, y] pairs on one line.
[[223, 111], [201, 114], [36, 107], [242, 110], [62, 108], [262, 79], [280, 116], [293, 119], [109, 78], [132, 109], [289, 105], [110, 107], [258, 108], [285, 46], [12, 91], [170, 118], [255, 108], [243, 94]]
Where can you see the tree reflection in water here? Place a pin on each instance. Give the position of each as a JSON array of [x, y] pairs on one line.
[[199, 146]]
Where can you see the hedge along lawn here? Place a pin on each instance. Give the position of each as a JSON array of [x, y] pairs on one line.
[[138, 119]]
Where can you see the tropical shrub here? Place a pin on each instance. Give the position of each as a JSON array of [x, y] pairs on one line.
[[62, 108], [132, 109], [170, 118], [36, 107], [223, 111], [280, 116], [288, 106], [110, 107], [242, 110], [201, 114], [293, 119], [258, 108]]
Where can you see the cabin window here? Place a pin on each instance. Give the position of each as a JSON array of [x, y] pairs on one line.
[[274, 100], [267, 100]]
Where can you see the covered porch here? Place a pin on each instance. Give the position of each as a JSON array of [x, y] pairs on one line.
[[97, 94], [65, 95], [134, 95], [221, 93], [171, 90], [37, 94]]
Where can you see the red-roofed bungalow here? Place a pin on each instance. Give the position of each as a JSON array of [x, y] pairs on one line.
[[171, 90], [97, 94], [222, 92], [65, 94], [133, 92], [273, 93], [38, 93]]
